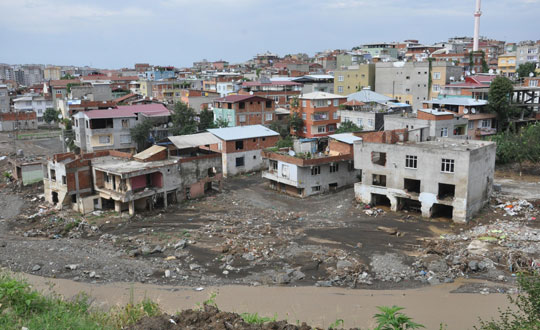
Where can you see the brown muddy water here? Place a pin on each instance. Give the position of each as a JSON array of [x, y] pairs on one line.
[[321, 307]]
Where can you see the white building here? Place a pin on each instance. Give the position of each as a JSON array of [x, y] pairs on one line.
[[33, 102], [447, 177]]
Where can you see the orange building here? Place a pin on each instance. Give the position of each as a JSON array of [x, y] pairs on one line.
[[319, 113]]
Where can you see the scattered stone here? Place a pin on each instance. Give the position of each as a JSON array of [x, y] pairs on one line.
[[157, 249], [324, 284], [343, 264], [473, 265], [181, 244], [282, 279], [167, 273], [36, 268], [72, 267], [194, 266], [248, 256]]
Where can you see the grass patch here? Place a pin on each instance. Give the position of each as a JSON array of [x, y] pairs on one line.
[[21, 306], [256, 319]]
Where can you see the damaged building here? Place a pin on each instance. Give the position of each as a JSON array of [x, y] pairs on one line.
[[312, 168], [441, 178], [116, 180]]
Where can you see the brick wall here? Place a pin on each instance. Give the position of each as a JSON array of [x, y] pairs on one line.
[[251, 144]]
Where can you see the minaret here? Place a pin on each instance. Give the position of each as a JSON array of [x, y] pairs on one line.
[[477, 15]]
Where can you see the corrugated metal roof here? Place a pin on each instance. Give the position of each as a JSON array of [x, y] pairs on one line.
[[147, 153], [194, 140], [242, 132], [366, 96], [348, 138]]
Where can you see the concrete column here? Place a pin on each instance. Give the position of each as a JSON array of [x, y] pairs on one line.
[[118, 206], [393, 203], [165, 199], [131, 208]]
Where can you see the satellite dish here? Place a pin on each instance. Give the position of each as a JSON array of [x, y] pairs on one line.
[[170, 124], [467, 73], [473, 110], [490, 71], [59, 116], [462, 78], [498, 71], [251, 93], [465, 111], [473, 72], [531, 74]]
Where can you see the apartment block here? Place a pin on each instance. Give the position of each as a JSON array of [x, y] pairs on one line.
[[354, 78], [319, 113], [242, 110]]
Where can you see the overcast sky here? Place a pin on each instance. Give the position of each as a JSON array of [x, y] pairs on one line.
[[118, 33]]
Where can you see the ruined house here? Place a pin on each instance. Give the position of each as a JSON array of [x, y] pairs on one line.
[[445, 177], [306, 170], [115, 180]]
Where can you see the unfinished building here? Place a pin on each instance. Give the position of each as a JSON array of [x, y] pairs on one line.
[[442, 178]]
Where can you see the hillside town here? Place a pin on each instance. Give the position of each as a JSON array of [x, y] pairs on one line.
[[389, 165]]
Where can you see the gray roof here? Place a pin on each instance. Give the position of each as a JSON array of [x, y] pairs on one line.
[[193, 140], [367, 95], [466, 101], [242, 132], [348, 138]]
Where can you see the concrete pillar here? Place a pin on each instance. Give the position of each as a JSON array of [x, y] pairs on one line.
[[393, 203], [131, 208], [426, 209], [165, 199], [118, 206]]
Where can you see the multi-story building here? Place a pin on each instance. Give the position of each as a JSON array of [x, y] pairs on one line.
[[306, 171], [316, 83], [280, 91], [470, 63], [111, 129], [4, 99], [59, 89], [197, 99], [52, 73], [348, 59], [527, 51], [480, 122], [507, 64], [241, 147], [6, 72], [381, 51], [354, 78], [33, 102], [115, 180], [242, 110], [443, 178], [428, 124], [319, 113], [467, 86], [409, 82]]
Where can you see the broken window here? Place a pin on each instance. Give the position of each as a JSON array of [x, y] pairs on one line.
[[444, 132], [378, 158], [212, 171], [239, 161], [333, 186], [101, 123], [442, 211], [446, 191], [268, 104], [334, 168], [241, 105], [316, 188], [380, 200], [64, 180], [411, 185], [379, 180], [315, 170], [74, 198], [53, 175], [239, 145], [411, 161], [125, 123], [285, 171], [447, 165], [273, 165]]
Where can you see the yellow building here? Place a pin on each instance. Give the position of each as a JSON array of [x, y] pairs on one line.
[[52, 73], [507, 64], [354, 79]]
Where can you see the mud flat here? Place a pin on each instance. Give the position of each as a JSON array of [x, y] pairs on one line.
[[430, 306]]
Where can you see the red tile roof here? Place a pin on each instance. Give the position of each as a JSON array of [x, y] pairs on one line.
[[149, 110], [125, 97], [63, 82]]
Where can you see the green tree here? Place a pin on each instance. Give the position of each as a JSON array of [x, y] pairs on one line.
[[518, 147], [67, 76], [221, 122], [206, 119], [141, 132], [348, 127], [286, 142], [485, 66], [390, 318], [183, 119], [500, 91], [50, 115], [526, 312], [525, 69], [281, 127], [296, 122]]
